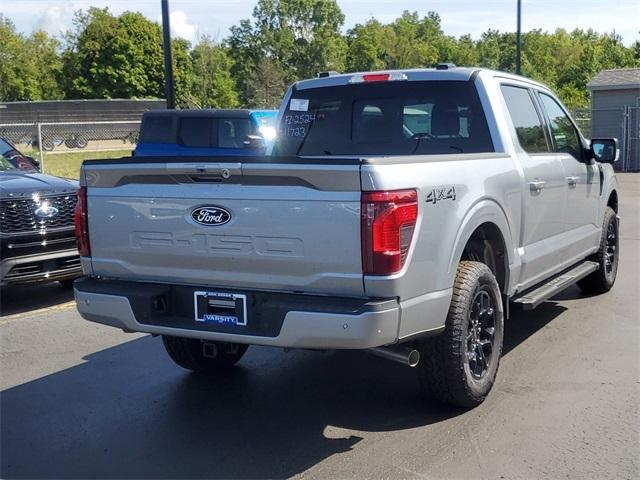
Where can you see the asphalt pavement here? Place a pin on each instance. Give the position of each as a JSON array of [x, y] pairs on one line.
[[82, 400]]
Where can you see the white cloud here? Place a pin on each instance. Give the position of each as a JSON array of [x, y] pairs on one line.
[[180, 26], [56, 19]]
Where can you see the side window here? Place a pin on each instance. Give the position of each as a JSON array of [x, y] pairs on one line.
[[232, 132], [525, 118], [197, 132], [565, 136]]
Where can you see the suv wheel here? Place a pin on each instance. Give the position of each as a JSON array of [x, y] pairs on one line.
[[459, 366], [201, 356], [607, 255]]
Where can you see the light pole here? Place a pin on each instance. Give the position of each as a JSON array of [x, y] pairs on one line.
[[168, 63], [518, 31]]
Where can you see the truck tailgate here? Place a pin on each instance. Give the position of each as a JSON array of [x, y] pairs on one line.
[[290, 226]]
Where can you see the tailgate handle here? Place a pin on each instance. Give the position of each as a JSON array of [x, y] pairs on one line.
[[206, 178]]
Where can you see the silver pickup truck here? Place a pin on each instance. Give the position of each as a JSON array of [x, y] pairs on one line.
[[399, 213]]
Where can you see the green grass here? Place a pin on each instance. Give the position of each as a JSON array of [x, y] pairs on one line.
[[68, 164]]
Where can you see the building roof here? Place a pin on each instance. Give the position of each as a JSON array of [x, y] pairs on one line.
[[615, 79]]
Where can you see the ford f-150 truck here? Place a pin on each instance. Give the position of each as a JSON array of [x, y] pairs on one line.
[[399, 212]]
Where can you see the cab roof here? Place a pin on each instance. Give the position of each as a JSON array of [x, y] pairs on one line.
[[209, 113], [451, 73]]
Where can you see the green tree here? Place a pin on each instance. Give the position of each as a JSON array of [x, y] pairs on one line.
[[212, 85], [183, 76], [266, 85], [29, 66], [301, 36], [367, 46], [114, 57]]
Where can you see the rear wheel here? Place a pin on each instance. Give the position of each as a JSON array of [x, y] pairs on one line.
[[607, 255], [203, 357], [459, 366]]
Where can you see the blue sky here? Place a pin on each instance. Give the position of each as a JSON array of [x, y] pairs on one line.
[[191, 18]]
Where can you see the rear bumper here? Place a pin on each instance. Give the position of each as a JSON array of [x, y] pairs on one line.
[[275, 319]]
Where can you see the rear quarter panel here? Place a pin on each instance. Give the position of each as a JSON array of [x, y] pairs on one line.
[[488, 188]]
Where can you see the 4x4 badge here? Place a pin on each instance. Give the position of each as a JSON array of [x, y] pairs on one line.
[[444, 193]]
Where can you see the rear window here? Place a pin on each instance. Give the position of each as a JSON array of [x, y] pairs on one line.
[[395, 118], [213, 132], [157, 129], [196, 131]]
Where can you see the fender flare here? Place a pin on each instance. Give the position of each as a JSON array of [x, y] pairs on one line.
[[484, 211]]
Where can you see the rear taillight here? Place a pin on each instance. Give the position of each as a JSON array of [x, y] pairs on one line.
[[388, 221], [81, 220]]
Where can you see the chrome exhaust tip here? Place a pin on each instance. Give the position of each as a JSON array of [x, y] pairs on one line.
[[409, 357]]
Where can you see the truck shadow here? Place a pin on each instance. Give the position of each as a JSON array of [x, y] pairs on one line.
[[26, 298], [128, 412]]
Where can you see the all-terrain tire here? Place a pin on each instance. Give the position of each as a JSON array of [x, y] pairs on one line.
[[446, 370], [607, 256], [189, 353]]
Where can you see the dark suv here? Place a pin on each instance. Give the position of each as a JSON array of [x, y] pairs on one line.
[[37, 241]]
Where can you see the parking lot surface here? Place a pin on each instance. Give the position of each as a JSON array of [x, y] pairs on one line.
[[85, 400]]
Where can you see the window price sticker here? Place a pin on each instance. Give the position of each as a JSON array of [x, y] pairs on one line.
[[299, 105]]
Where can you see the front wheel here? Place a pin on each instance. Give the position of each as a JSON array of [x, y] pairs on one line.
[[459, 366], [203, 357], [607, 255]]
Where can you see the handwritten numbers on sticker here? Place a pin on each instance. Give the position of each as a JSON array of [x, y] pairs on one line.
[[296, 124], [295, 131], [299, 119]]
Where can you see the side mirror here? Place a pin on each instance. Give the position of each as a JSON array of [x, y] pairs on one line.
[[605, 150], [253, 142]]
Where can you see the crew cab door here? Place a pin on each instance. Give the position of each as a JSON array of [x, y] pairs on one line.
[[582, 183], [544, 188]]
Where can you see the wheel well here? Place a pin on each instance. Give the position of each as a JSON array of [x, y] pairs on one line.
[[613, 201], [486, 245]]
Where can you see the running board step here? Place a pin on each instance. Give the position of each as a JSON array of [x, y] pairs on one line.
[[534, 297]]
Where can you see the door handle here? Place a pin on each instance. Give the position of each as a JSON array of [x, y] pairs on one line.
[[537, 186], [572, 181]]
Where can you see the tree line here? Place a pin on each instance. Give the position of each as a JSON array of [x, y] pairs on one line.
[[109, 56]]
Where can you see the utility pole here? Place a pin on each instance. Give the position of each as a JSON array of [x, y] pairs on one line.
[[518, 32], [168, 63]]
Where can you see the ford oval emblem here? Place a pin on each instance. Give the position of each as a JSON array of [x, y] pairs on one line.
[[210, 215], [46, 211]]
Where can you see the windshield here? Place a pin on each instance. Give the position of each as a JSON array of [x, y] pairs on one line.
[[390, 118], [5, 147]]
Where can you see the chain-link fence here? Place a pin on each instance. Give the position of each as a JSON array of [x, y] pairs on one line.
[[622, 123], [60, 147], [582, 117]]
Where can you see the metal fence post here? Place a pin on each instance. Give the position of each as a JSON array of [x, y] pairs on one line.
[[41, 155], [627, 137]]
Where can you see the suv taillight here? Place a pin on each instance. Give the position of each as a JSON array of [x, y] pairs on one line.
[[81, 220], [388, 221]]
